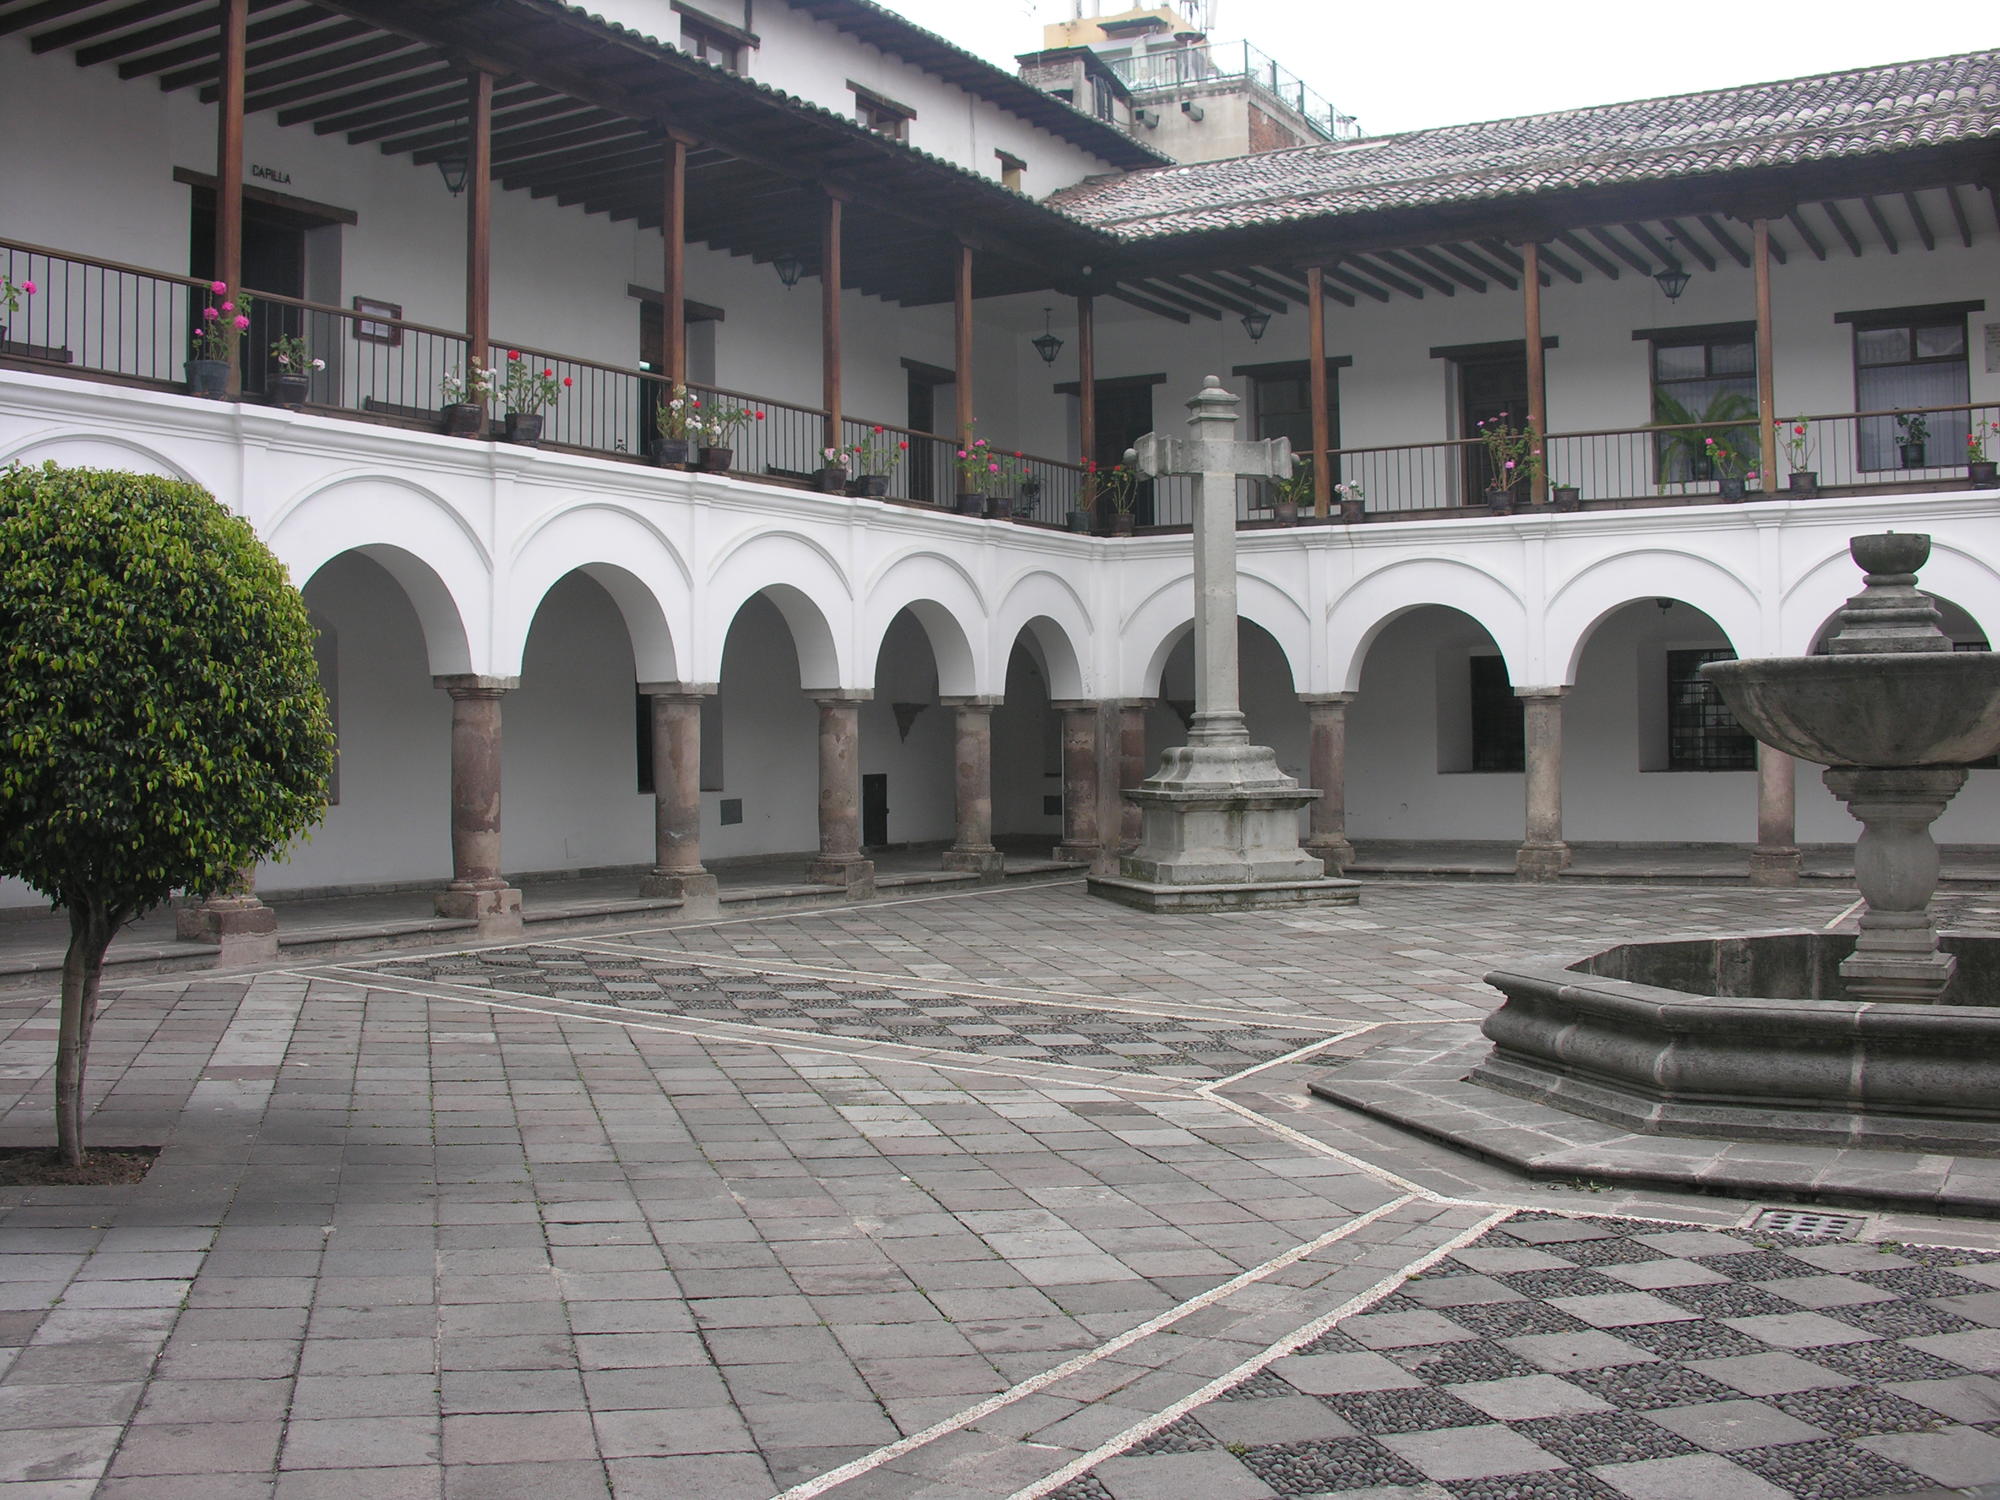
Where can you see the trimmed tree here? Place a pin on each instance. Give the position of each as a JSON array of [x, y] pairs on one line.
[[162, 724]]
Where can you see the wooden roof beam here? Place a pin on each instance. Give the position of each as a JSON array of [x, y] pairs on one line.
[[1360, 284], [1481, 267], [206, 45], [1339, 294], [297, 60], [1690, 243], [1917, 217], [1178, 298], [1841, 227], [1269, 301], [1812, 241], [1199, 285], [29, 17], [1620, 249], [1456, 272], [1146, 304], [293, 35], [1648, 242], [1958, 215], [189, 16], [318, 85], [1881, 223], [1408, 264], [1386, 274], [1280, 283], [1590, 256], [425, 147], [1726, 240]]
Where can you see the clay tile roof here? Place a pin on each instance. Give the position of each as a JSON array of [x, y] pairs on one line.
[[1899, 107]]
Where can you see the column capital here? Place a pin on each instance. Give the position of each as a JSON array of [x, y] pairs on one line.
[[1336, 700], [970, 700], [1558, 690], [473, 685], [678, 689], [841, 695], [1073, 705]]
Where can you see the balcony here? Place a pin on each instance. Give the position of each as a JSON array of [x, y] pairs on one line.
[[1209, 63]]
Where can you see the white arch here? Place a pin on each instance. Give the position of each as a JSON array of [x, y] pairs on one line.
[[946, 602], [1577, 607], [1147, 636], [416, 536], [1952, 572], [808, 587], [1359, 615], [633, 563], [69, 449], [1044, 604]]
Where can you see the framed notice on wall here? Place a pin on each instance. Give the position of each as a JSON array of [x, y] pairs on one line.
[[385, 331], [1993, 348]]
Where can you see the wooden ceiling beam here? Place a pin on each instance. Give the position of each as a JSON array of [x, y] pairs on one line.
[[1147, 304], [1726, 240], [291, 35], [1198, 285], [560, 134], [105, 23], [1402, 261], [1619, 248], [1360, 283], [1917, 217], [1175, 297], [1881, 222], [1437, 262], [1686, 238], [30, 16], [1284, 283], [205, 47], [369, 114], [1481, 266], [1339, 294], [1590, 257], [1386, 274], [1812, 241], [1958, 215], [1649, 242], [1842, 228], [398, 65], [297, 60], [1237, 285]]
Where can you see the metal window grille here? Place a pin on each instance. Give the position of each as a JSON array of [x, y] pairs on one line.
[[1499, 738], [1702, 734]]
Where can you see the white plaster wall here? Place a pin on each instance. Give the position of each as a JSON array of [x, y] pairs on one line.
[[770, 731]]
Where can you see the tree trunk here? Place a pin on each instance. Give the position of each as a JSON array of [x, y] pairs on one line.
[[90, 931]]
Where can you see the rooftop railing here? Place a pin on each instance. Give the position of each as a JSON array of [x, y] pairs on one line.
[[1216, 62]]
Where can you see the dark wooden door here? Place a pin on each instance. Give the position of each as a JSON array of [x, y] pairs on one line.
[[926, 461], [1490, 386], [274, 261], [874, 811], [1124, 415]]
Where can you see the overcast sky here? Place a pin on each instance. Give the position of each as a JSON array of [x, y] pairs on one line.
[[1401, 66]]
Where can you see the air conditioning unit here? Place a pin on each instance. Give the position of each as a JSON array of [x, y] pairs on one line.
[[1150, 118], [1193, 111]]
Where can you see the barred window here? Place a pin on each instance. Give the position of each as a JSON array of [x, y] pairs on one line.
[[1702, 734], [1499, 742]]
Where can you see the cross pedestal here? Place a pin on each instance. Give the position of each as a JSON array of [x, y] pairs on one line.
[[1221, 821]]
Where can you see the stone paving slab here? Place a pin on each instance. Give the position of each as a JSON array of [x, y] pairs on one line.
[[418, 1238]]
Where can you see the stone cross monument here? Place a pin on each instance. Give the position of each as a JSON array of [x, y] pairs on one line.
[[1221, 826]]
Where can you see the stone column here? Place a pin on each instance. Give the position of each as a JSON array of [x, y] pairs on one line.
[[972, 758], [1326, 769], [1131, 769], [840, 861], [1080, 841], [243, 929], [1543, 855], [1775, 860], [677, 869], [477, 889]]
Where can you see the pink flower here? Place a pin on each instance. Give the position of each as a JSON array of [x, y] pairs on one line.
[[218, 287], [242, 323], [993, 468], [961, 453], [1510, 463], [28, 287], [210, 313], [229, 307]]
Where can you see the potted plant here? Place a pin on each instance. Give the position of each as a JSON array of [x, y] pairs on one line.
[[1979, 469], [1028, 498], [871, 463], [10, 299], [715, 450], [1353, 500], [1562, 496], [1000, 505], [1514, 454], [1118, 487], [1724, 460], [1796, 435], [677, 420], [979, 470], [1294, 490], [465, 394], [1695, 437], [292, 370], [1913, 434], [222, 319], [523, 393]]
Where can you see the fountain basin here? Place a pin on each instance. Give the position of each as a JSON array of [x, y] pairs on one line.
[[1938, 708], [1754, 1038]]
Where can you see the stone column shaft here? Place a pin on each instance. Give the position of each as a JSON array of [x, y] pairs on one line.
[[972, 762], [477, 887], [840, 861], [1543, 854], [1326, 769], [1131, 770], [1080, 840], [677, 868], [1775, 860]]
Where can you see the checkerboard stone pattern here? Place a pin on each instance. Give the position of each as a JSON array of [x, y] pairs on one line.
[[1563, 1357], [1117, 1041]]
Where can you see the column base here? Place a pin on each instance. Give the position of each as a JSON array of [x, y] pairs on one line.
[[1898, 978], [1540, 861], [988, 863], [698, 891], [1775, 865], [497, 909], [242, 929], [1077, 854], [857, 874], [1336, 855]]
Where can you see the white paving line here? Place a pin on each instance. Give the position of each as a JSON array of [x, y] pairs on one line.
[[1846, 912], [871, 1461], [1299, 1055], [1297, 1338]]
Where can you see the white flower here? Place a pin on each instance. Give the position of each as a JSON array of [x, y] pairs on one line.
[[319, 364]]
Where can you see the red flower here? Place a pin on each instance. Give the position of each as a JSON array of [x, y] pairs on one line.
[[877, 429], [513, 353], [902, 445], [568, 381], [760, 416], [1800, 430], [548, 374]]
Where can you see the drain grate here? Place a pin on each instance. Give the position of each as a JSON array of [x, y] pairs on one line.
[[1804, 1221]]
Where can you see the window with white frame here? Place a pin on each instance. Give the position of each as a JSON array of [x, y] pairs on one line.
[[882, 115], [1910, 360], [1703, 378]]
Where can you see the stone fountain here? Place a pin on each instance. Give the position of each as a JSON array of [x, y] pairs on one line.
[[1889, 1038]]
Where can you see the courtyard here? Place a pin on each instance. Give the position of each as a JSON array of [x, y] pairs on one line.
[[976, 1194]]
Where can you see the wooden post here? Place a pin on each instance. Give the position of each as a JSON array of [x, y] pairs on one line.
[[229, 166], [1538, 385], [962, 342], [479, 221], [1767, 400], [1086, 397], [829, 320], [1322, 436], [673, 232]]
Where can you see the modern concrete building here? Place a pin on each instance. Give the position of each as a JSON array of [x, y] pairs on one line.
[[866, 234]]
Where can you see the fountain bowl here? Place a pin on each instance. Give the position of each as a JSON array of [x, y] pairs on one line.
[[1938, 708]]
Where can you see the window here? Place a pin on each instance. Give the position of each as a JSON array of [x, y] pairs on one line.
[[1499, 740], [1913, 362], [1103, 102], [1702, 735], [883, 116], [1011, 170], [1706, 376], [711, 44], [1281, 402]]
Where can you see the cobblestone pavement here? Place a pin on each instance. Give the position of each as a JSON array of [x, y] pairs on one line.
[[979, 1197]]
